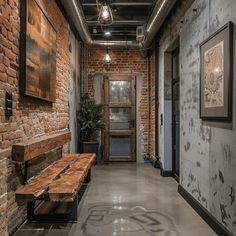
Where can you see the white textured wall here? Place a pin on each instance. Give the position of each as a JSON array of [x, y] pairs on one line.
[[207, 149], [73, 93]]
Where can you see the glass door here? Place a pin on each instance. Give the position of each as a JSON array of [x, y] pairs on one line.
[[120, 118]]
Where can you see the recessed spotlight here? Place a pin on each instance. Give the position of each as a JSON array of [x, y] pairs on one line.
[[107, 33], [94, 31]]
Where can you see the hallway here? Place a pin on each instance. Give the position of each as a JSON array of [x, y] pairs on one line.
[[147, 87], [128, 200]]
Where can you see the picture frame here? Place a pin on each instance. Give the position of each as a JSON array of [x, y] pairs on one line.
[[216, 72], [37, 53]]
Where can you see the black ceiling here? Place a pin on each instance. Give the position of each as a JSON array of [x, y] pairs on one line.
[[127, 16]]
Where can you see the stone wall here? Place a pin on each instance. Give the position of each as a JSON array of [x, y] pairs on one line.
[[31, 117], [207, 149]]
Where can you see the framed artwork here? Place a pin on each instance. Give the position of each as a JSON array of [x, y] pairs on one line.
[[37, 53], [216, 55]]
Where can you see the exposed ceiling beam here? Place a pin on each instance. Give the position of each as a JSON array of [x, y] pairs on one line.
[[118, 22], [122, 4]]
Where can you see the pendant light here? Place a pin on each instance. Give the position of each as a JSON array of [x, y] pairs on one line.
[[107, 58], [105, 16]]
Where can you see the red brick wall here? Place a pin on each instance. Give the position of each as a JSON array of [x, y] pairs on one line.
[[31, 117], [123, 61]]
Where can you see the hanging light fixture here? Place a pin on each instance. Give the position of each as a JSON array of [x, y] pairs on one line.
[[105, 16], [107, 58]]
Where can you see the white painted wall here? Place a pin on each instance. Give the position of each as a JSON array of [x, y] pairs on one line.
[[73, 92], [207, 149]]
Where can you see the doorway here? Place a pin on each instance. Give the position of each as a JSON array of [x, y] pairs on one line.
[[119, 135], [175, 114]]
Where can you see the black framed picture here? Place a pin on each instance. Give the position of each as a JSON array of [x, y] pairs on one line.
[[37, 53], [216, 58]]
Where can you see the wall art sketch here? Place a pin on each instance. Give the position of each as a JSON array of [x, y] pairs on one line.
[[213, 76], [216, 75], [38, 53]]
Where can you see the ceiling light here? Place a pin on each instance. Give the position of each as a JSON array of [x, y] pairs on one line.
[[105, 16], [95, 31], [107, 33], [107, 58]]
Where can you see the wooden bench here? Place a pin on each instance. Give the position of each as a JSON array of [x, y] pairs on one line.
[[58, 184]]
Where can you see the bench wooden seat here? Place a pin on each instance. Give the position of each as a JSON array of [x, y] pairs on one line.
[[37, 186], [67, 186], [68, 172], [58, 183], [65, 189]]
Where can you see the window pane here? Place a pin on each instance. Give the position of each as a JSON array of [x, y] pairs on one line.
[[120, 91], [120, 146], [120, 118]]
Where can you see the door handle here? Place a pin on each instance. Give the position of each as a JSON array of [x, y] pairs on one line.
[[132, 123]]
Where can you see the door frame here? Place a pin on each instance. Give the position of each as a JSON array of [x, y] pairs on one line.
[[174, 174], [132, 133]]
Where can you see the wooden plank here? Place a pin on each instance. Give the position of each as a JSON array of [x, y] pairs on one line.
[[38, 186], [88, 156], [65, 189], [34, 147], [67, 186]]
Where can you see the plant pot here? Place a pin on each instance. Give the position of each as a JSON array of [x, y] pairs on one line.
[[89, 147]]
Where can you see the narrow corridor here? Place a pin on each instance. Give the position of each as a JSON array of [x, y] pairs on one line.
[[145, 89], [128, 200]]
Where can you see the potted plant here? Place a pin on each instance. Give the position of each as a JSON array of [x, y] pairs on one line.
[[91, 119]]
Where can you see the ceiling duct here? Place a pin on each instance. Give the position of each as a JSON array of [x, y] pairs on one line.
[[75, 12], [121, 44], [159, 14]]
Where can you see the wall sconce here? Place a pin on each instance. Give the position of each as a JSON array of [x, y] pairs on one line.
[[107, 58], [105, 16]]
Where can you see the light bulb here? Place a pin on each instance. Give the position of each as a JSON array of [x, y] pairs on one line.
[[105, 16], [107, 58], [105, 12]]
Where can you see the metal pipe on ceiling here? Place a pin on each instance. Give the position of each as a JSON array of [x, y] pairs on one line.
[[75, 12], [160, 12], [118, 44]]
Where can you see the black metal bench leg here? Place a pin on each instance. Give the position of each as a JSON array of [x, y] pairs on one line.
[[88, 177], [30, 211], [74, 214]]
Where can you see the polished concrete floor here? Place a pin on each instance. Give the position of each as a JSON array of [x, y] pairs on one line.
[[127, 199]]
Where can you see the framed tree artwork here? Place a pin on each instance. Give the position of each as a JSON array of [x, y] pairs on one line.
[[216, 55], [37, 53]]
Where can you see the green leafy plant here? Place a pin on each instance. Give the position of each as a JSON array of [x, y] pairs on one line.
[[91, 118]]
